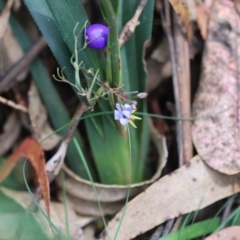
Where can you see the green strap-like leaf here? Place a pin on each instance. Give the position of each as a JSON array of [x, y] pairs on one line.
[[55, 107]]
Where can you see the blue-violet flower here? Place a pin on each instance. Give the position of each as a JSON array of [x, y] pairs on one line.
[[124, 115], [97, 36]]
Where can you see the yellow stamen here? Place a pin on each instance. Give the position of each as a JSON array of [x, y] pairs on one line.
[[135, 117], [131, 122]]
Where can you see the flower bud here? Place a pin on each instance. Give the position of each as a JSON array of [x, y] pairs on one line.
[[97, 36], [142, 95]]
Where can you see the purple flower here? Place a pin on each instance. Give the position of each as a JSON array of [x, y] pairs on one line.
[[123, 114], [97, 36]]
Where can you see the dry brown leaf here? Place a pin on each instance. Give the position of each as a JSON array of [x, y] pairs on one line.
[[182, 10], [230, 233], [192, 9], [30, 149], [10, 52], [237, 5], [38, 116], [203, 17], [57, 215], [158, 66], [11, 130], [4, 17], [112, 197], [16, 5], [216, 130], [191, 187], [89, 232]]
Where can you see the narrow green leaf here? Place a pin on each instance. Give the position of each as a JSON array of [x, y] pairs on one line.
[[14, 218], [195, 230], [55, 107], [74, 13], [45, 21], [113, 51]]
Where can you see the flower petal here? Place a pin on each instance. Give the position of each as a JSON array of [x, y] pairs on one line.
[[123, 121], [119, 107], [117, 115], [127, 114], [127, 107]]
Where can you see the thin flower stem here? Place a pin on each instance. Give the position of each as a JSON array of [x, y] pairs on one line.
[[129, 188]]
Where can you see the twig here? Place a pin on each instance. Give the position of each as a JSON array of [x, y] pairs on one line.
[[7, 80], [157, 233], [162, 231], [130, 26], [83, 108], [227, 209], [13, 104], [168, 227], [167, 27], [177, 224], [183, 71]]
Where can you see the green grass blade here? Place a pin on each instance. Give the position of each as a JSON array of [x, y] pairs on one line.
[[193, 231], [14, 218]]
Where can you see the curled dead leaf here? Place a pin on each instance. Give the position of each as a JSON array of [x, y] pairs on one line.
[[215, 131], [182, 10], [190, 188], [158, 66], [11, 52], [30, 149], [38, 116], [11, 130], [112, 197]]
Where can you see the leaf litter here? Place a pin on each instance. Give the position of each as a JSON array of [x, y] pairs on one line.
[[39, 119], [30, 149], [216, 137], [11, 131], [227, 233], [195, 186]]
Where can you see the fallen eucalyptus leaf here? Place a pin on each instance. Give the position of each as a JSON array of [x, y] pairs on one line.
[[38, 116], [11, 53], [89, 233], [191, 187], [216, 136], [225, 234], [11, 130]]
